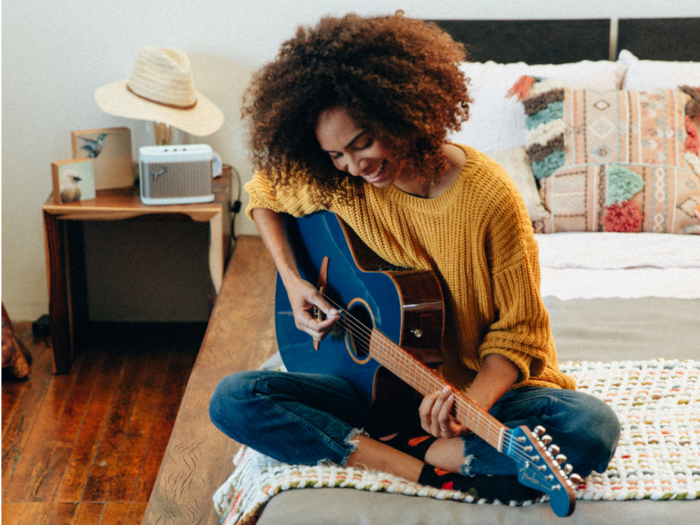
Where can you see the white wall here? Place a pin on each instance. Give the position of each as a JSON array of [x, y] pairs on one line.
[[54, 56]]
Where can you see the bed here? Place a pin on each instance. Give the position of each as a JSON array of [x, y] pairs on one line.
[[624, 307]]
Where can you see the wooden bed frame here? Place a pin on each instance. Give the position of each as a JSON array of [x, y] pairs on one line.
[[241, 332]]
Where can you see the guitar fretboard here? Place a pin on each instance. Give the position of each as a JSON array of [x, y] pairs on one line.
[[426, 381]]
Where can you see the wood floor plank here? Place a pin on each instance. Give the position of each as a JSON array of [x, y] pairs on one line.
[[88, 513], [12, 388], [39, 454], [179, 370], [130, 460], [115, 514], [11, 394], [136, 513], [77, 471], [11, 512], [104, 466], [146, 406], [158, 442], [34, 513], [34, 388], [61, 513], [19, 428], [76, 405], [10, 458], [75, 408], [51, 471]]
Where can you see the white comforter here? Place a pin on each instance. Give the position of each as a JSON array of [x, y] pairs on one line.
[[591, 264]]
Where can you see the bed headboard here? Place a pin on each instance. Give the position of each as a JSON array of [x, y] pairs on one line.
[[563, 41]]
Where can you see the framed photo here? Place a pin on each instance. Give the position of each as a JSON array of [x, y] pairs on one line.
[[110, 149], [73, 180]]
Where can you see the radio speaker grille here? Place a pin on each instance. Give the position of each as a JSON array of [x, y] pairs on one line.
[[176, 179]]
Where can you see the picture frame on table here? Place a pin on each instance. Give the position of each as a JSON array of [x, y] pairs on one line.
[[110, 149], [73, 180]]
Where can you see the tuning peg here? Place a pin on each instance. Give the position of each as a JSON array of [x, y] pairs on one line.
[[561, 458], [546, 439], [576, 479], [539, 430], [554, 449], [568, 469]]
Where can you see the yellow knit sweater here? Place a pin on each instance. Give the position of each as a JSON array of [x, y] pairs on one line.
[[478, 239]]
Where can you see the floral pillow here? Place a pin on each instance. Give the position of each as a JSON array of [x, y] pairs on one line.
[[611, 160]]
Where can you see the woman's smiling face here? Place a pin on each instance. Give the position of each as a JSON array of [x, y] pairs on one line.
[[354, 150]]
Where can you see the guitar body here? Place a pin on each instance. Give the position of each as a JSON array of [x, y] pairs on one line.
[[405, 305]]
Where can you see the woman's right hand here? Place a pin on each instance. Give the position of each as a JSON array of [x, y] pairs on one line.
[[303, 297]]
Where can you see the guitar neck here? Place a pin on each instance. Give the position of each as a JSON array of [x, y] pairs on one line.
[[426, 381]]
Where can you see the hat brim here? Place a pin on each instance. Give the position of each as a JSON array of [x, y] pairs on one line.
[[204, 119]]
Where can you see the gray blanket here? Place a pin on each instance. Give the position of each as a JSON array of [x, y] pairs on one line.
[[584, 329], [625, 329]]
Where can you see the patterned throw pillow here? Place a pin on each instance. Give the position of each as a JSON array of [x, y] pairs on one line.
[[611, 160]]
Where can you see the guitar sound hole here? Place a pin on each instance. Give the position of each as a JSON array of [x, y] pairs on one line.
[[359, 327]]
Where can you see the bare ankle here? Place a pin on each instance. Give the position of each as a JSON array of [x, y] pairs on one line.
[[375, 455], [446, 454]]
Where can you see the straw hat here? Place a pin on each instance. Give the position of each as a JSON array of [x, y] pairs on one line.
[[161, 89]]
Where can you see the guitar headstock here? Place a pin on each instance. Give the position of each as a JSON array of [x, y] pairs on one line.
[[542, 468]]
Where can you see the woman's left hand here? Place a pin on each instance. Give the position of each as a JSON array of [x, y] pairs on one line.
[[436, 415]]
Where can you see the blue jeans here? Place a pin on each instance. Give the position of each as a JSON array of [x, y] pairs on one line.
[[309, 419]]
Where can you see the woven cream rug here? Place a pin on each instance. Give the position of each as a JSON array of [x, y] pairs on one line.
[[658, 458]]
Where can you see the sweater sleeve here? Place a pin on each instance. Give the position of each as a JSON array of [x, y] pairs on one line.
[[263, 195], [520, 330]]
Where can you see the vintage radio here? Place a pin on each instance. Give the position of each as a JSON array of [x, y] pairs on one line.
[[178, 174]]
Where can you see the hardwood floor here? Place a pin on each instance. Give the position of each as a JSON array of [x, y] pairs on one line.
[[84, 448]]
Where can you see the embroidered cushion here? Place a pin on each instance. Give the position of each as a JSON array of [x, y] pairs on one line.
[[610, 160]]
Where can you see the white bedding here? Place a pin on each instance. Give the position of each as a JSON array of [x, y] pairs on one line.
[[592, 264], [612, 250], [578, 283]]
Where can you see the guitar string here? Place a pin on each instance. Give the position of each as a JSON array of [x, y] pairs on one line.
[[367, 334]]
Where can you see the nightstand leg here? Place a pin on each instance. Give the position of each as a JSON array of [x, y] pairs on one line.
[[54, 232], [79, 320], [217, 254]]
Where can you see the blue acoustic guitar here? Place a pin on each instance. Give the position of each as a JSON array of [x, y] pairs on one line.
[[391, 327]]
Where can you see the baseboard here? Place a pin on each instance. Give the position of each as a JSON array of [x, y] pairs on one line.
[[150, 335]]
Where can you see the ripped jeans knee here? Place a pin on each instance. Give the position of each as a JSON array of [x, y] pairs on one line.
[[352, 444], [567, 416], [465, 467]]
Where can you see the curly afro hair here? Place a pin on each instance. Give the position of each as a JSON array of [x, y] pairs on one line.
[[397, 77]]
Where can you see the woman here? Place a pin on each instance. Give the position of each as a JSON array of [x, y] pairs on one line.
[[352, 117]]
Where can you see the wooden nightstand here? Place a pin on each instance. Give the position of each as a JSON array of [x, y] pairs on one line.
[[65, 255]]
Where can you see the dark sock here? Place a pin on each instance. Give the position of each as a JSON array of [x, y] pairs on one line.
[[503, 488]]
